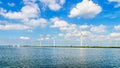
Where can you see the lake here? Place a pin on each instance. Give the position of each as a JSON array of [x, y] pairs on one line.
[[28, 57]]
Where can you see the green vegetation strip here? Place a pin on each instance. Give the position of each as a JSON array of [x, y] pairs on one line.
[[75, 46]]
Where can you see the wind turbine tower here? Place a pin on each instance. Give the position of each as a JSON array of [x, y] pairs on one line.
[[40, 40], [54, 41], [81, 42]]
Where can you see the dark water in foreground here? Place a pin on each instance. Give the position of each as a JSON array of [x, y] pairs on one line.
[[59, 57]]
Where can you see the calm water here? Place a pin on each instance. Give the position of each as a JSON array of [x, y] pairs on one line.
[[59, 57]]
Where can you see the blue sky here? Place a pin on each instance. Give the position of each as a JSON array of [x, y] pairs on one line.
[[29, 21]]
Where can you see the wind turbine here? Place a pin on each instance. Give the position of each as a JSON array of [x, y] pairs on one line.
[[81, 42], [54, 38], [40, 40], [54, 41]]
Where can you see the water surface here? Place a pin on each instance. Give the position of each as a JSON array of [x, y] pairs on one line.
[[25, 57]]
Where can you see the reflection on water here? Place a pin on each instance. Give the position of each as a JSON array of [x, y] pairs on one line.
[[59, 58]]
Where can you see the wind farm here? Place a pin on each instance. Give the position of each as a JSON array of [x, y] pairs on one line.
[[59, 33], [79, 45]]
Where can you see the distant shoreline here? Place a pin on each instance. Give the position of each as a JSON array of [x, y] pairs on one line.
[[62, 46], [74, 46]]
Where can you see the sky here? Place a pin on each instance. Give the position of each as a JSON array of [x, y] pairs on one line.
[[27, 22]]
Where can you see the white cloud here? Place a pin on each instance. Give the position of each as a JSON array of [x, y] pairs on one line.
[[29, 2], [47, 38], [99, 37], [13, 27], [115, 35], [85, 9], [28, 14], [86, 33], [73, 31], [23, 13], [117, 1], [98, 29], [58, 23], [41, 22], [69, 28], [62, 2], [117, 27], [53, 4], [11, 4], [84, 26], [54, 19], [76, 35], [24, 38]]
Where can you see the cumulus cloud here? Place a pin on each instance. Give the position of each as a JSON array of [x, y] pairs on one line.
[[5, 25], [26, 2], [53, 4], [117, 27], [41, 22], [117, 1], [47, 38], [73, 30], [99, 37], [24, 38], [85, 9], [13, 27], [76, 34], [58, 23], [98, 29], [28, 14], [115, 36], [89, 32], [84, 26], [29, 10], [24, 13], [69, 28]]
